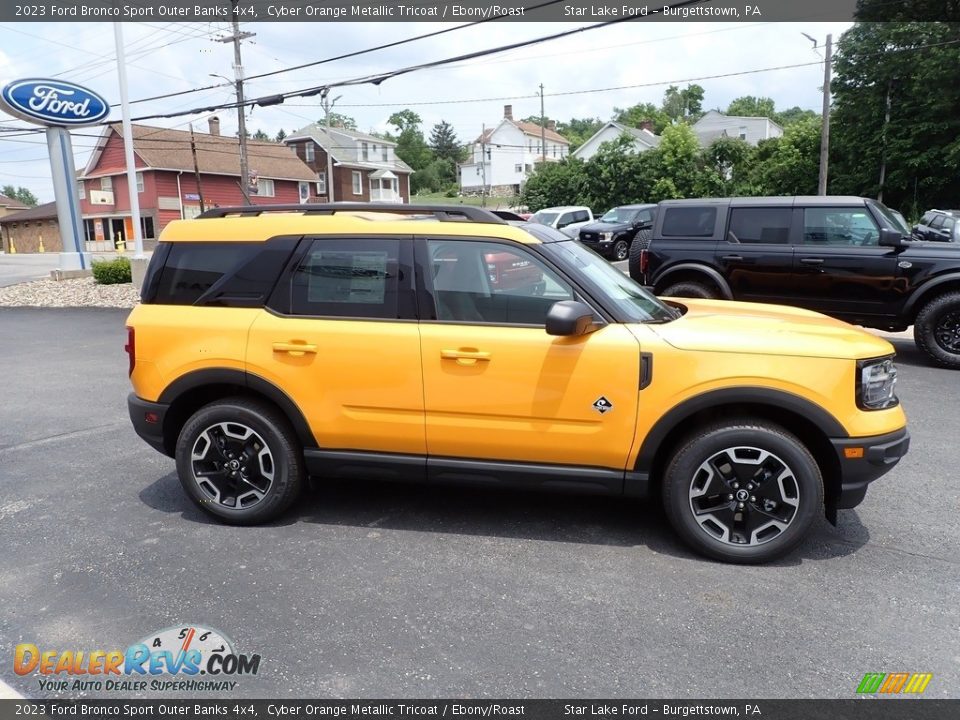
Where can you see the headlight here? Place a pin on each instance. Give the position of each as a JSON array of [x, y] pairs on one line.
[[606, 237], [876, 380]]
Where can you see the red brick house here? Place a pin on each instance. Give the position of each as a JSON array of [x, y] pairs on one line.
[[167, 184], [351, 166]]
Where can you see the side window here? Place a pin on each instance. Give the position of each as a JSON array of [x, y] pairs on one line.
[[689, 222], [492, 283], [760, 225], [839, 226], [580, 216], [936, 222], [948, 224], [564, 220], [644, 216], [347, 278], [927, 217]]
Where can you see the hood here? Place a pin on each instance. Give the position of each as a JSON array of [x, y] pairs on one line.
[[720, 326], [601, 227]]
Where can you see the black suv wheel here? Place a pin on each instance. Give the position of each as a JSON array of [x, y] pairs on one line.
[[239, 460], [690, 289], [742, 491], [937, 330]]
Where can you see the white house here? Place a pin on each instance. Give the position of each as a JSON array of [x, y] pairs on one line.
[[503, 157], [641, 138], [716, 125]]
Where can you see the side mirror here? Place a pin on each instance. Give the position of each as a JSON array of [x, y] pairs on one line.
[[569, 317], [891, 238]]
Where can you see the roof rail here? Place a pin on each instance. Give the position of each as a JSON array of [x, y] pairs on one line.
[[444, 213]]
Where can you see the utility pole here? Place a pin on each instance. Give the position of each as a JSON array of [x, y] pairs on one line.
[[196, 167], [235, 38], [128, 146], [483, 165], [825, 123], [327, 105], [543, 128], [883, 147]]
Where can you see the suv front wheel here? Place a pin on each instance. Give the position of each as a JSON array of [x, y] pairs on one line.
[[937, 330], [239, 460], [743, 491]]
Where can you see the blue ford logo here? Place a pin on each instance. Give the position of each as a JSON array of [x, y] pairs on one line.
[[53, 102]]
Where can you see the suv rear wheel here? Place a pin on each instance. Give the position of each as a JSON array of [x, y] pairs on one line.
[[937, 330], [239, 460], [690, 289], [743, 491]]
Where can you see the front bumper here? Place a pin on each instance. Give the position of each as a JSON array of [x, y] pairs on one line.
[[865, 459], [147, 418]]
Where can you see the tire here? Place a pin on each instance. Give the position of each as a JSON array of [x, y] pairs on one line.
[[937, 330], [690, 289], [620, 250], [229, 432], [716, 464], [641, 241]]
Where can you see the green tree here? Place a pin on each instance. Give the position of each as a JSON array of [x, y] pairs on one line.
[[680, 162], [915, 65], [554, 183], [618, 175], [338, 120], [728, 163], [19, 193], [789, 116], [635, 115], [444, 143], [579, 130], [413, 149], [281, 135], [261, 135], [788, 165], [750, 106], [686, 104]]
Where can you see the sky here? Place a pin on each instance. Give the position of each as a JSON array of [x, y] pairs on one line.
[[621, 65]]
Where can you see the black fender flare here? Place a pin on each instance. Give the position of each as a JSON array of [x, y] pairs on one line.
[[927, 291], [255, 383], [778, 399], [714, 276]]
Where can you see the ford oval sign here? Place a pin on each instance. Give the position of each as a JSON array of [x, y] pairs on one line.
[[53, 102]]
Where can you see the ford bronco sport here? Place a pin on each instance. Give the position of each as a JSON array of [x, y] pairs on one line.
[[273, 344], [847, 257]]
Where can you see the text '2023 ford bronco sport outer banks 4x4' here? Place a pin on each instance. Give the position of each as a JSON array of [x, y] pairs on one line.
[[375, 341], [847, 257]]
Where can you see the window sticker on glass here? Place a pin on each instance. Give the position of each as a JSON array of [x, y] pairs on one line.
[[347, 277]]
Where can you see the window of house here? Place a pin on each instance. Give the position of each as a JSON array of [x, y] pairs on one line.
[[518, 167], [357, 182], [760, 225], [321, 183], [554, 150], [689, 221], [308, 152], [139, 182], [839, 226], [528, 167], [348, 278], [364, 151], [743, 132], [81, 190], [265, 187], [385, 154], [146, 226], [106, 184]]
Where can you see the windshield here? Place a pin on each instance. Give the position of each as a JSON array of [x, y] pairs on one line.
[[631, 299], [618, 215], [896, 220], [544, 218]]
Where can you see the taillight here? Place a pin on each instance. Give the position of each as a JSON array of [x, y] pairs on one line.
[[644, 260], [131, 348]]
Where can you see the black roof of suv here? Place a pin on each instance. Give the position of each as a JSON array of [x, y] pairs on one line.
[[843, 256]]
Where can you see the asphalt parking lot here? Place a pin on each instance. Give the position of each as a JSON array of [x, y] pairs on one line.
[[378, 590]]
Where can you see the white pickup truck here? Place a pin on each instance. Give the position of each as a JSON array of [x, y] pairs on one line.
[[568, 219]]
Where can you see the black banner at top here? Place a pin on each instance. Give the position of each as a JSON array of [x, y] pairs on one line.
[[461, 11]]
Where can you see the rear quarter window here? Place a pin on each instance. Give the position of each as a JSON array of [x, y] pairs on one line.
[[694, 222]]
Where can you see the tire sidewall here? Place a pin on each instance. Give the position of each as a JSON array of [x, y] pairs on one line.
[[681, 470], [692, 289], [288, 468], [925, 327], [626, 250]]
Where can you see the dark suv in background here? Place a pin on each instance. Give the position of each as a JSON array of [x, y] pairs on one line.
[[614, 233], [938, 226], [843, 256]]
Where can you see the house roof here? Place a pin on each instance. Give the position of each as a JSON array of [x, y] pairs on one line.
[[165, 149], [531, 129], [10, 202], [40, 212], [717, 113], [341, 144]]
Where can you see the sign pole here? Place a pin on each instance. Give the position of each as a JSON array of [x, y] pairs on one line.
[[68, 204]]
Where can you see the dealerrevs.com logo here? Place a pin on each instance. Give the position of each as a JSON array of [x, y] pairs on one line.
[[172, 659]]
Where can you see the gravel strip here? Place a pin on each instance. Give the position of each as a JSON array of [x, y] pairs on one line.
[[82, 292]]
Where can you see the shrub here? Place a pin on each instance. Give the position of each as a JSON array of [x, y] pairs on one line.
[[112, 272]]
